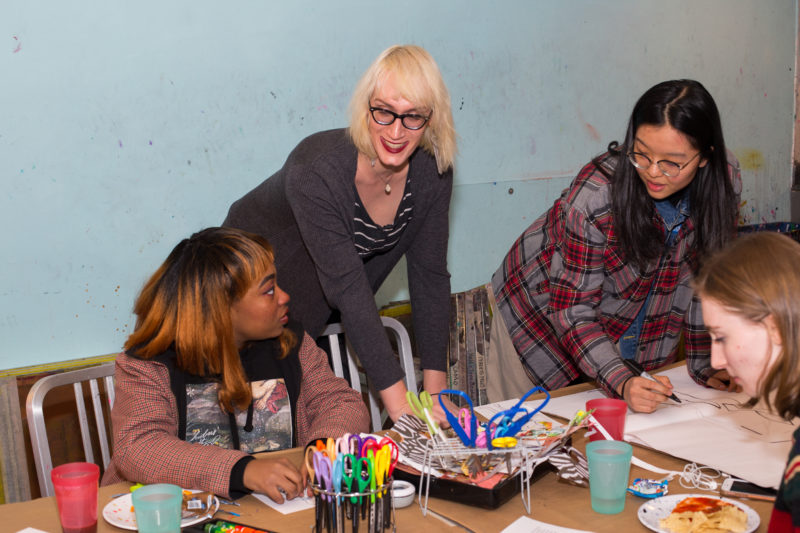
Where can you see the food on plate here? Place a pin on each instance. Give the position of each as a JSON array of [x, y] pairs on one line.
[[705, 515]]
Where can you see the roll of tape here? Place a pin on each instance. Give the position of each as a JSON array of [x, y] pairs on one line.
[[402, 493]]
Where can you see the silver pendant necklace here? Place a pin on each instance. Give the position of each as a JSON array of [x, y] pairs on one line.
[[388, 188]]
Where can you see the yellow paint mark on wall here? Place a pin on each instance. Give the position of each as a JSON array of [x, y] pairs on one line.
[[750, 159]]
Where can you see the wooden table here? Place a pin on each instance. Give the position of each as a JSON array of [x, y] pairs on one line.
[[551, 501], [566, 505]]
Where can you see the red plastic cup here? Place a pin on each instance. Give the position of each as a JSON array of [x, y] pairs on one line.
[[610, 413], [75, 486]]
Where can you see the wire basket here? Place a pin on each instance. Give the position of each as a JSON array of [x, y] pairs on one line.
[[333, 510]]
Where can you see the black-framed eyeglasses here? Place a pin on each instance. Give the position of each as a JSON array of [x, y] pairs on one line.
[[670, 169], [410, 121]]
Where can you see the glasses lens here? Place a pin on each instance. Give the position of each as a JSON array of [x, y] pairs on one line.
[[383, 117], [639, 160], [669, 169], [414, 122]]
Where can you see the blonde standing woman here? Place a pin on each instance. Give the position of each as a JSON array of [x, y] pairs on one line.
[[348, 204]]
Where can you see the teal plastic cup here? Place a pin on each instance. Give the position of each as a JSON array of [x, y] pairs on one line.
[[158, 508], [609, 472]]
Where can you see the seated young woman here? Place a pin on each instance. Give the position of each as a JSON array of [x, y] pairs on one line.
[[215, 371], [750, 293]]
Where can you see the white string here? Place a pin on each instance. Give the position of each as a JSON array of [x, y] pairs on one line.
[[699, 477]]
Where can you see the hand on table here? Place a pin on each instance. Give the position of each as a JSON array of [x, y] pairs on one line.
[[644, 395], [271, 476], [438, 412]]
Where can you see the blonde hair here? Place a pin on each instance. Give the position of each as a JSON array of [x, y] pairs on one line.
[[419, 81], [756, 277], [186, 303]]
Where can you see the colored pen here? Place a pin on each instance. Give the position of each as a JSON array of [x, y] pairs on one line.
[[636, 368]]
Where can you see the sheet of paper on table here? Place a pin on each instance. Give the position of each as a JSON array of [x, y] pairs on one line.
[[525, 524], [288, 506], [709, 427]]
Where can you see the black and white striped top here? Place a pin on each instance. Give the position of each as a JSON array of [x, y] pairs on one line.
[[372, 239]]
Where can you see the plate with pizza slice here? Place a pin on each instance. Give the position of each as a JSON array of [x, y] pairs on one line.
[[697, 513]]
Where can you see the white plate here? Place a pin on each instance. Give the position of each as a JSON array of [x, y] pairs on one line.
[[119, 512], [656, 509]]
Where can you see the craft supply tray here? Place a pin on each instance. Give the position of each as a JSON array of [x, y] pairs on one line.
[[448, 489]]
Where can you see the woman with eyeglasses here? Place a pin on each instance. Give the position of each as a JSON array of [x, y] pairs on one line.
[[602, 279], [349, 203]]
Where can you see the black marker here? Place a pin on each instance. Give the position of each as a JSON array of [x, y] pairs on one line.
[[636, 368]]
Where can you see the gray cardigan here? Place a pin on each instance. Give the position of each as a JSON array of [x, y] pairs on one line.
[[306, 212]]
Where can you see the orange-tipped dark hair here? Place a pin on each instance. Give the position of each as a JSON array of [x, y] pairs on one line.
[[186, 303]]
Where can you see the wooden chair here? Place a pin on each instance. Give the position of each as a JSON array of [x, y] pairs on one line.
[[333, 331], [39, 439]]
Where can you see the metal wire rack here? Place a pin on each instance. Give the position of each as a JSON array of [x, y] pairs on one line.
[[445, 453]]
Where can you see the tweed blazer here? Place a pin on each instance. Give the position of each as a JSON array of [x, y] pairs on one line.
[[145, 423]]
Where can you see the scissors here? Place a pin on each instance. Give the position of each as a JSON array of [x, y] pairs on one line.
[[322, 468], [421, 406], [383, 465], [366, 446], [342, 444], [466, 425], [508, 425], [328, 448], [348, 475], [363, 466], [336, 479], [359, 442], [308, 460], [358, 466], [373, 445]]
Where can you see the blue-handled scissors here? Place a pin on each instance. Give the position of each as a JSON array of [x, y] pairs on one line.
[[422, 406], [336, 479], [509, 424], [467, 432]]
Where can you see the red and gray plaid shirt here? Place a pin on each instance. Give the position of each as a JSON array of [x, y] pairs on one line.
[[567, 296]]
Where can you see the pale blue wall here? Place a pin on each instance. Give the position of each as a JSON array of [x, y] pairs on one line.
[[124, 127]]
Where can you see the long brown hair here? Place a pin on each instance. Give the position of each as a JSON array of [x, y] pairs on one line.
[[755, 277], [186, 303]]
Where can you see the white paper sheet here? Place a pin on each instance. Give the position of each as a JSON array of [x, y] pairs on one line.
[[288, 506], [709, 427], [525, 524]]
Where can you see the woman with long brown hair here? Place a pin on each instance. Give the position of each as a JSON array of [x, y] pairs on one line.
[[215, 371]]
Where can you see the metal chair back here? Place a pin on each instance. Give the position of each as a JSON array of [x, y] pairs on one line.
[[332, 331], [39, 439]]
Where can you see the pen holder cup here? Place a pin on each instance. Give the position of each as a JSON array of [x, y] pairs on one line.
[[341, 511]]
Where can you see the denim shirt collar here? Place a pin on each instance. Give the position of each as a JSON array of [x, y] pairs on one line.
[[673, 215]]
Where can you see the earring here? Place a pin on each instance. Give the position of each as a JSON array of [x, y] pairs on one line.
[[372, 162]]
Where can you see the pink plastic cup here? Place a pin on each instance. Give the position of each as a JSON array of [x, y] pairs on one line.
[[610, 413], [75, 486]]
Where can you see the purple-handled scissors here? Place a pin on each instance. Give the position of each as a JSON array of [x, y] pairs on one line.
[[354, 445], [322, 469]]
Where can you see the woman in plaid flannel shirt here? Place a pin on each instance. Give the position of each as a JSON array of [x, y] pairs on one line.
[[604, 275], [215, 371], [749, 294]]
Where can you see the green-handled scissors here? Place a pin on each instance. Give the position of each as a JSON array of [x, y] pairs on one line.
[[422, 406]]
